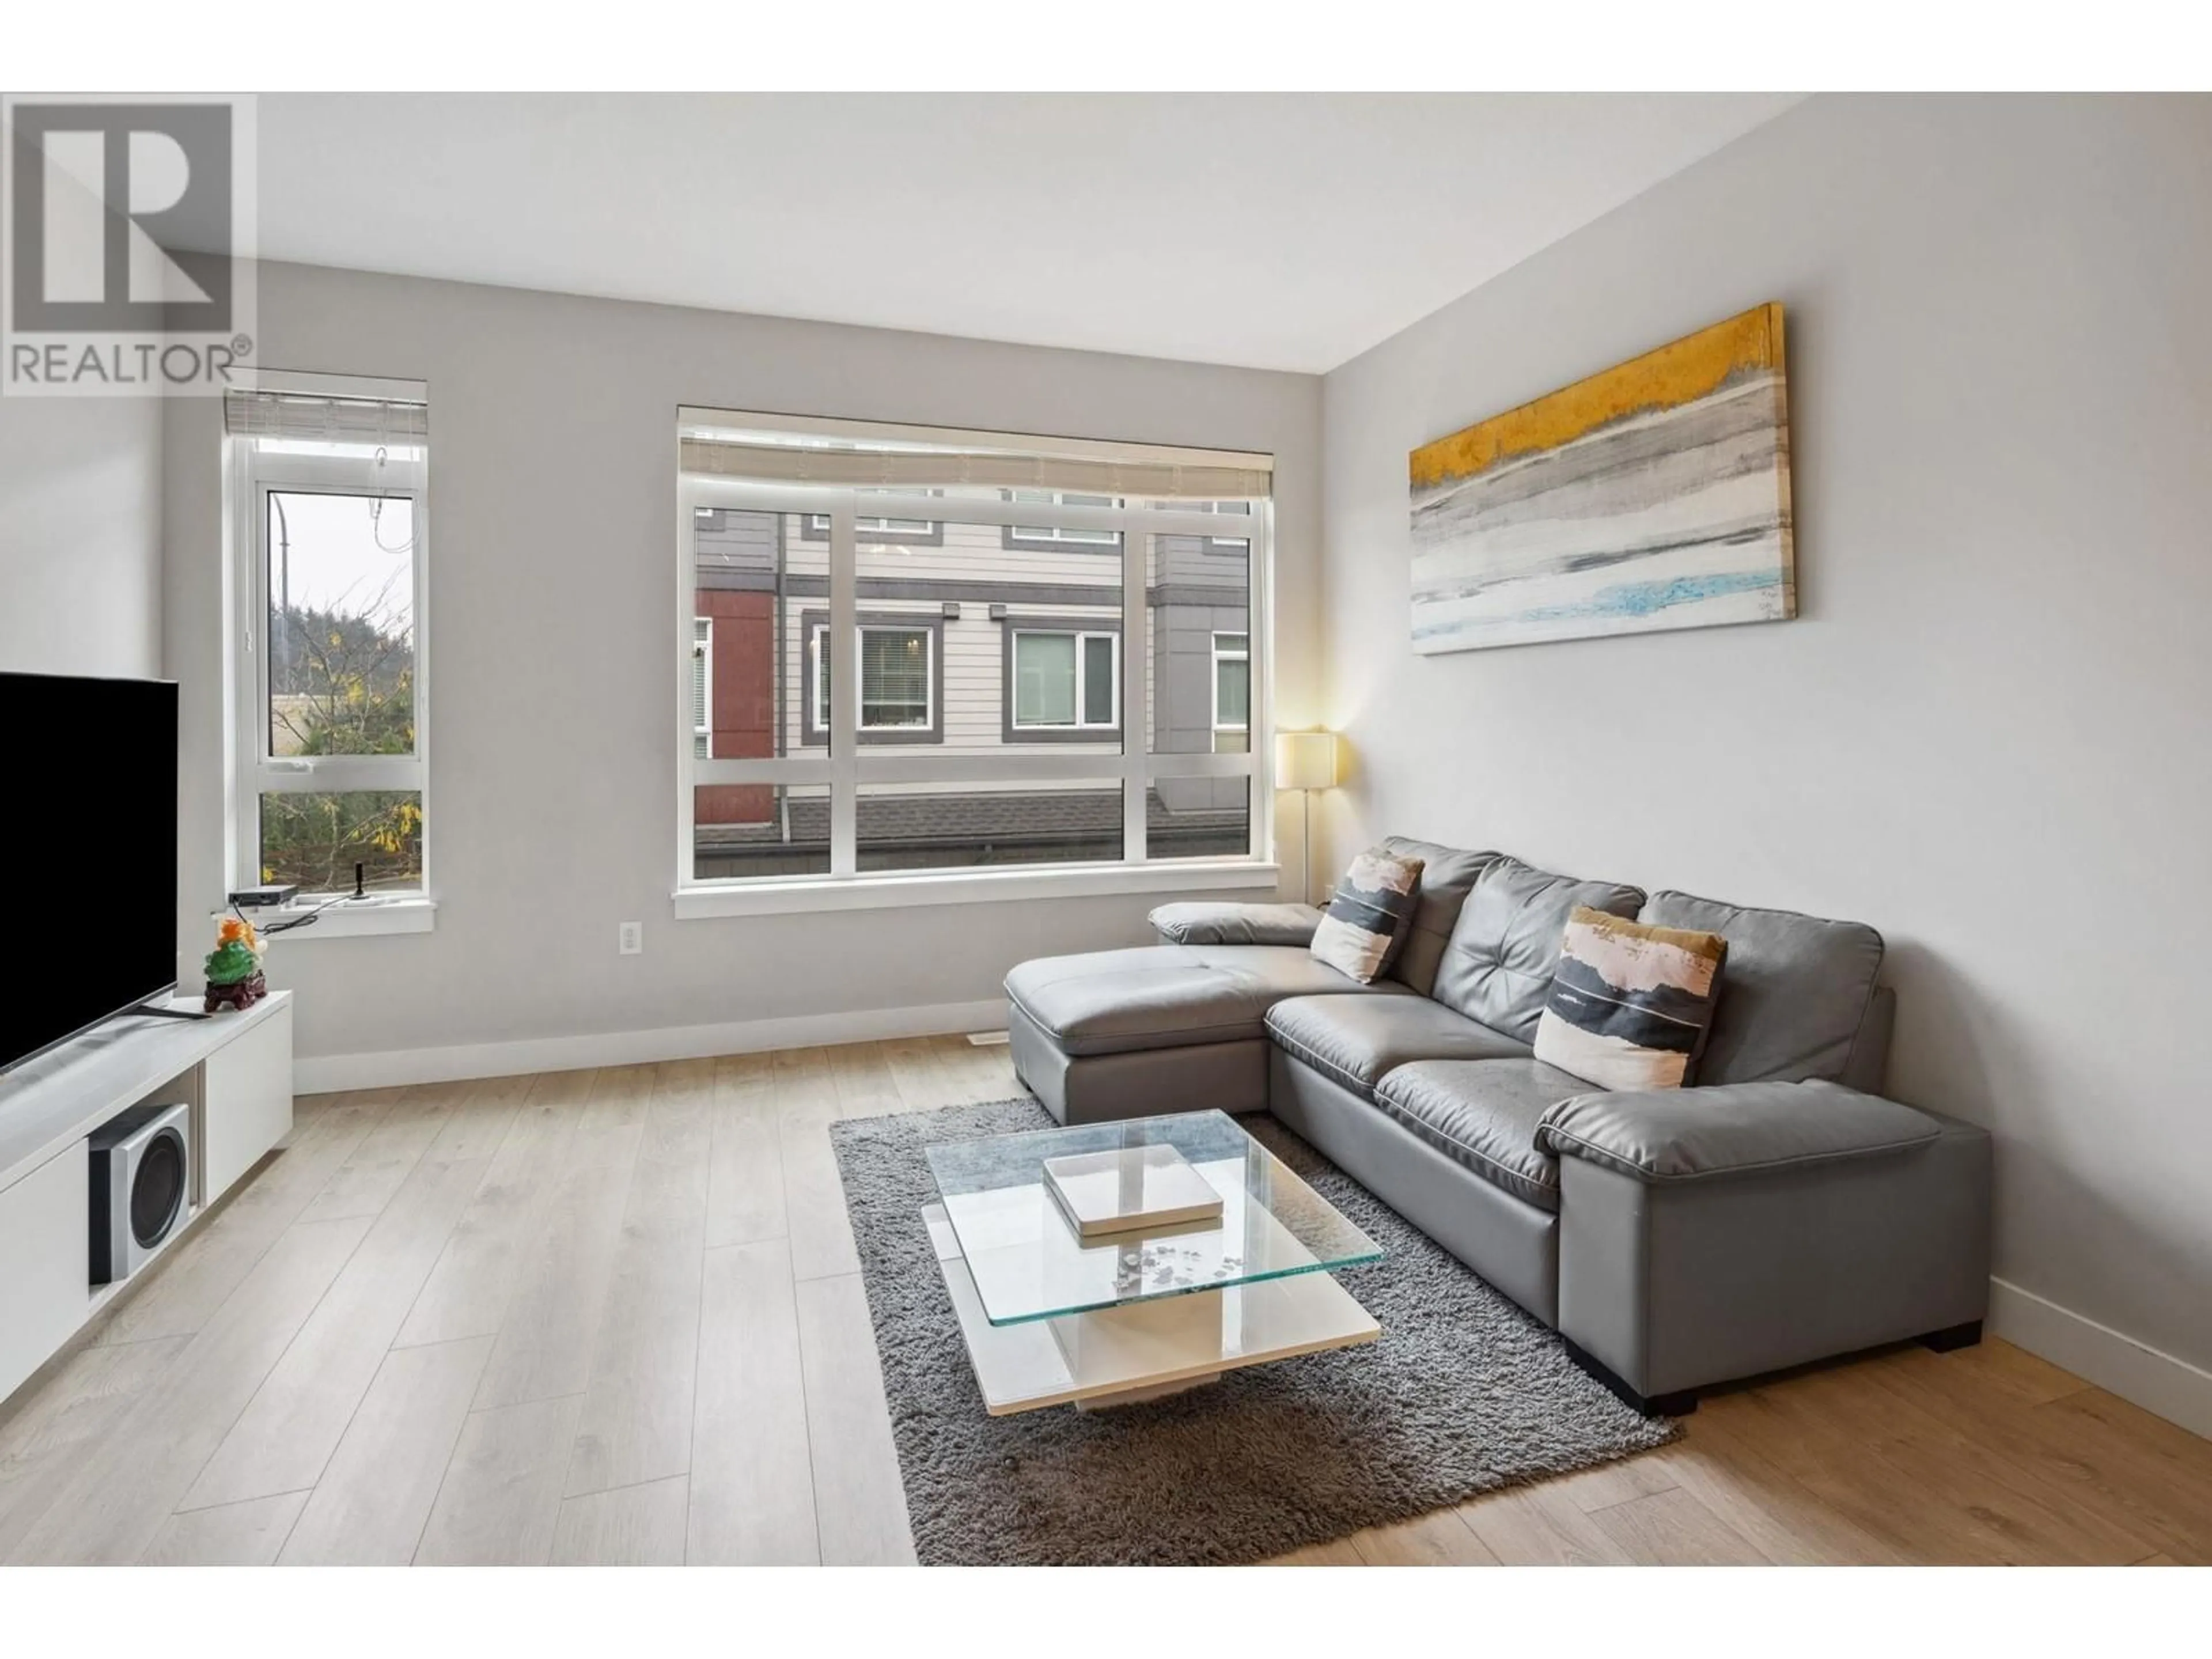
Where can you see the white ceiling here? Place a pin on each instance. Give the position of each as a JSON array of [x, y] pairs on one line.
[[1277, 231]]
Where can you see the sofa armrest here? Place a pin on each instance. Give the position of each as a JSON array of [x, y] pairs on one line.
[[1234, 924], [1672, 1135]]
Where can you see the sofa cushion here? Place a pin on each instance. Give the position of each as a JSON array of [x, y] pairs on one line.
[[1356, 1040], [1745, 1128], [1447, 873], [1166, 996], [1212, 923], [1483, 1114], [1795, 994], [1497, 966], [1369, 914]]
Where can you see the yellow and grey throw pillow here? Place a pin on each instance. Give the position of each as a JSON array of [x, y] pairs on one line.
[[1370, 915], [1631, 1004]]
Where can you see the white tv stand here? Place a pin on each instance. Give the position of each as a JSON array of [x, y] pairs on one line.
[[235, 1070]]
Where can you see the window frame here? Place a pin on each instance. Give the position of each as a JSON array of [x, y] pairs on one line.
[[1012, 732], [1023, 538], [1221, 656], [702, 652], [256, 473], [845, 767]]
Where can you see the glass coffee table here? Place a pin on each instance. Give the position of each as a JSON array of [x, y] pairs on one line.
[[1051, 1317]]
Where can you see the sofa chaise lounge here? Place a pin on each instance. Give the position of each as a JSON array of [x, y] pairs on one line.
[[1782, 1211]]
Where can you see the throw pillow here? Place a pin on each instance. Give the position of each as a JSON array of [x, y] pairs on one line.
[[1369, 914], [1630, 1003]]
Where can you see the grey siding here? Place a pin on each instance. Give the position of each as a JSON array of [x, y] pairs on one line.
[[735, 549]]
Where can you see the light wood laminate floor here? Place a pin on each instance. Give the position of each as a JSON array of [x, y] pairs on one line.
[[616, 1317]]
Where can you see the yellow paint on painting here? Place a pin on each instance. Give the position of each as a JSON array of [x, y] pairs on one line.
[[1689, 369]]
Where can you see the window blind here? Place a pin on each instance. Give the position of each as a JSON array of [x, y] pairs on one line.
[[921, 469], [324, 420]]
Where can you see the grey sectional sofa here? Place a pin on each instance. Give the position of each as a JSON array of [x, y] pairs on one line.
[[1780, 1211]]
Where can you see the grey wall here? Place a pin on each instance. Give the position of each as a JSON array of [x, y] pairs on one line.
[[1986, 733], [552, 641], [81, 535]]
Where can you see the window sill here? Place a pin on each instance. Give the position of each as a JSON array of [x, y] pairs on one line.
[[348, 920], [787, 896]]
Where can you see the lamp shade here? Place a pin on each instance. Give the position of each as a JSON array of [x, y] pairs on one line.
[[1305, 760]]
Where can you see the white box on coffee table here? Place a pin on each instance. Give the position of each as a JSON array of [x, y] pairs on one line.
[[1130, 1189]]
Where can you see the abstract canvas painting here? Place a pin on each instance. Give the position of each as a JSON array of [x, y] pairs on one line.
[[1654, 496]]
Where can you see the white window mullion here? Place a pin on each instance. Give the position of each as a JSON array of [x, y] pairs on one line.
[[1136, 717], [338, 774], [245, 564], [1259, 677], [249, 687], [917, 763], [794, 772], [423, 619], [844, 647], [687, 605]]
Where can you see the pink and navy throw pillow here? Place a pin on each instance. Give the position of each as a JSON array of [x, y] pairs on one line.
[[1370, 915]]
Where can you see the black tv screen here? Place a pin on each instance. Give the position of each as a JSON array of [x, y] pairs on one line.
[[90, 834]]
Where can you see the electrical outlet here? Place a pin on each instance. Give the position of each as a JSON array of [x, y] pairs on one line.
[[630, 939]]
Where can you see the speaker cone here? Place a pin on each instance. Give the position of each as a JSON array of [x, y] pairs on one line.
[[157, 1188]]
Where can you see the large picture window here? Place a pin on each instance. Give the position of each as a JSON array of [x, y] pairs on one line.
[[941, 653], [329, 494]]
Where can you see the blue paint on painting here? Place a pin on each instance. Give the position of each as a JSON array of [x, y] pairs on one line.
[[1643, 598]]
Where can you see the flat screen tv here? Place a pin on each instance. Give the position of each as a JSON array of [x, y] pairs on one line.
[[90, 833]]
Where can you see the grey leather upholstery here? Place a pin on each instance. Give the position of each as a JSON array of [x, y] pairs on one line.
[[1732, 1130], [1795, 992], [1512, 1244], [1483, 1115], [1870, 1066], [1780, 1212], [1446, 875], [1206, 1076], [1504, 950], [1676, 1285], [1234, 924], [1162, 996], [1356, 1040]]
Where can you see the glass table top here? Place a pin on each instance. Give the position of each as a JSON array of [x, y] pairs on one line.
[[1029, 1262]]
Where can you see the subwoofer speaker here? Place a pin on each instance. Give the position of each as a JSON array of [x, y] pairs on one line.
[[142, 1185]]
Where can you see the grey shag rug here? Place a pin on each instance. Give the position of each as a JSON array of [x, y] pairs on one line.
[[1463, 1393]]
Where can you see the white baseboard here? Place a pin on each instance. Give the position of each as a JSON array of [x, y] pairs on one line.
[[2173, 1389], [315, 1074]]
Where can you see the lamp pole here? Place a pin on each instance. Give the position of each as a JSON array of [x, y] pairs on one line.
[[1305, 847]]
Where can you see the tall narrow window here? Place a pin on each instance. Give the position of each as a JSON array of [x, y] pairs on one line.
[[329, 494], [971, 650]]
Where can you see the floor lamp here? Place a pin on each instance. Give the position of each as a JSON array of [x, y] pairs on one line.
[[1305, 762]]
